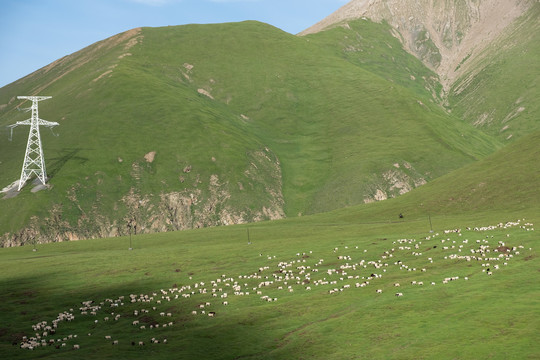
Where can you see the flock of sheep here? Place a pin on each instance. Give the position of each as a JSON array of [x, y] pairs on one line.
[[349, 268]]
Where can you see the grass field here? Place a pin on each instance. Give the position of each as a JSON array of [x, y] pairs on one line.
[[483, 317]]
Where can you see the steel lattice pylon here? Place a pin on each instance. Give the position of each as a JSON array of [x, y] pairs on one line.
[[34, 161]]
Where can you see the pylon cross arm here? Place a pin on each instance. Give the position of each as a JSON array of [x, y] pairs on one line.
[[25, 122], [47, 123], [34, 98]]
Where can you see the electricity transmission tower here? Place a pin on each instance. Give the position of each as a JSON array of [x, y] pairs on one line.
[[34, 161]]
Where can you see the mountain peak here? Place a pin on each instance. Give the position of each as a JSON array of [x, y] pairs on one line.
[[440, 33]]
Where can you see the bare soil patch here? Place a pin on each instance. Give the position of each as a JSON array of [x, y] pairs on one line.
[[148, 320]]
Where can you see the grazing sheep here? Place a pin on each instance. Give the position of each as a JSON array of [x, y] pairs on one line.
[[399, 294]]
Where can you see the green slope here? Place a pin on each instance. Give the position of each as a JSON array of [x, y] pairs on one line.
[[246, 121], [503, 183], [502, 99], [507, 180]]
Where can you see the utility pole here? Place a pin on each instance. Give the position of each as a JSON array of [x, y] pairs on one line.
[[132, 225], [34, 161]]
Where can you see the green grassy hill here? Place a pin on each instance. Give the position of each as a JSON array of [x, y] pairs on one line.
[[202, 125], [504, 182]]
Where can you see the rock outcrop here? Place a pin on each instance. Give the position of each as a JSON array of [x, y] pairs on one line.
[[191, 208]]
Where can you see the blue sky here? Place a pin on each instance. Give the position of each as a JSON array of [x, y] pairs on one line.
[[34, 33]]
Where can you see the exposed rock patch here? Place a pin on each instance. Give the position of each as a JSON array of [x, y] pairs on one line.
[[102, 75], [193, 207], [150, 157], [398, 180], [205, 93]]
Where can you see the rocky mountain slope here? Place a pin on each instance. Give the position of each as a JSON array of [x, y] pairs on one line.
[[440, 33], [466, 43]]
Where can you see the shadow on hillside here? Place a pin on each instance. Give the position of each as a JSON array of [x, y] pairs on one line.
[[66, 154], [29, 300]]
